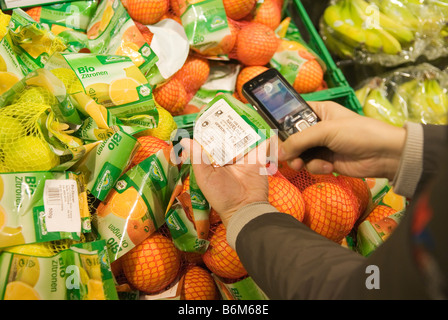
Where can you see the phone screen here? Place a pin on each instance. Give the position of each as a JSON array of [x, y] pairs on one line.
[[278, 99]]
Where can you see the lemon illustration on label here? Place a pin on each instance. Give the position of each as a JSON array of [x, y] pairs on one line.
[[123, 91], [18, 290]]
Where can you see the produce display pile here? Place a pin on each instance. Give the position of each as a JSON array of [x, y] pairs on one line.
[[94, 201]]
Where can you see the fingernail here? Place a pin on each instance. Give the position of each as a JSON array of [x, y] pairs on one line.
[[326, 168]]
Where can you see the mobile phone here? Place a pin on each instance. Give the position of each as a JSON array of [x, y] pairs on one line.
[[281, 106]]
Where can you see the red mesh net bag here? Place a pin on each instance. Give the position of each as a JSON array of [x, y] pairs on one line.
[[333, 203]]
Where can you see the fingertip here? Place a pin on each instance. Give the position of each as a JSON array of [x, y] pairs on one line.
[[318, 166]]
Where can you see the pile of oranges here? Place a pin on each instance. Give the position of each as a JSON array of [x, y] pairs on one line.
[[252, 43], [332, 206]]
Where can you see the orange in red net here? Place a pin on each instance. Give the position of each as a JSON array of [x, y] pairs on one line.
[[256, 44], [148, 146], [309, 77], [193, 73], [152, 265], [147, 11], [220, 258], [380, 212], [285, 197], [172, 96], [268, 13], [198, 285], [246, 74], [238, 9], [329, 210]]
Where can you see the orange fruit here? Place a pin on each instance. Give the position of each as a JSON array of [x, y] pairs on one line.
[[139, 229], [309, 77], [285, 197], [147, 11], [269, 14], [189, 109], [360, 190], [238, 9], [220, 258], [193, 73], [246, 74], [152, 265], [134, 35], [172, 96], [214, 217], [127, 204], [189, 258], [123, 91], [380, 212], [256, 44], [329, 210], [198, 285], [144, 30], [148, 146], [94, 30], [34, 13]]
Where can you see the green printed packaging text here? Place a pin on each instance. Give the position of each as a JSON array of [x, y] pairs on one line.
[[78, 272], [40, 206]]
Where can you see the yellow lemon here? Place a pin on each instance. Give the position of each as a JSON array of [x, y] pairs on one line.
[[35, 94], [29, 153], [123, 91], [2, 211], [11, 236], [7, 80], [165, 127], [95, 290], [27, 269], [99, 92], [3, 66], [18, 290], [135, 73]]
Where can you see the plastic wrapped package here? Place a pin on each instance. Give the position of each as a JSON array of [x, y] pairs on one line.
[[387, 33], [415, 93]]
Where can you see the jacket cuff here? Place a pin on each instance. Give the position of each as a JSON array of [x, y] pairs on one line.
[[243, 216], [411, 163]]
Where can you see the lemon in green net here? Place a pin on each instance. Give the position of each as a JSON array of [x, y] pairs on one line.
[[29, 153], [165, 127], [34, 94], [10, 130], [66, 75]]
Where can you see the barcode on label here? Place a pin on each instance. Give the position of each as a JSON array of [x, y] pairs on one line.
[[243, 141], [54, 196]]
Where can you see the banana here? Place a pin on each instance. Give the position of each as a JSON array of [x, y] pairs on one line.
[[341, 29], [402, 33], [373, 41], [389, 44], [379, 107], [339, 48], [437, 100], [398, 12], [402, 96]]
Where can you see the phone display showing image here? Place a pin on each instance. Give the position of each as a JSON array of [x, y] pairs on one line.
[[278, 103]]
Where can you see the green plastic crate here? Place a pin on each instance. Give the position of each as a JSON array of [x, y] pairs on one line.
[[333, 76]]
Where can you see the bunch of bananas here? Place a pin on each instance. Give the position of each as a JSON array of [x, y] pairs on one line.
[[379, 26], [418, 100]]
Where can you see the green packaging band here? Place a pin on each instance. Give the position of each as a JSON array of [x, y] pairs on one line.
[[136, 206], [245, 289], [112, 31], [55, 271], [106, 162], [206, 27], [41, 206]]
